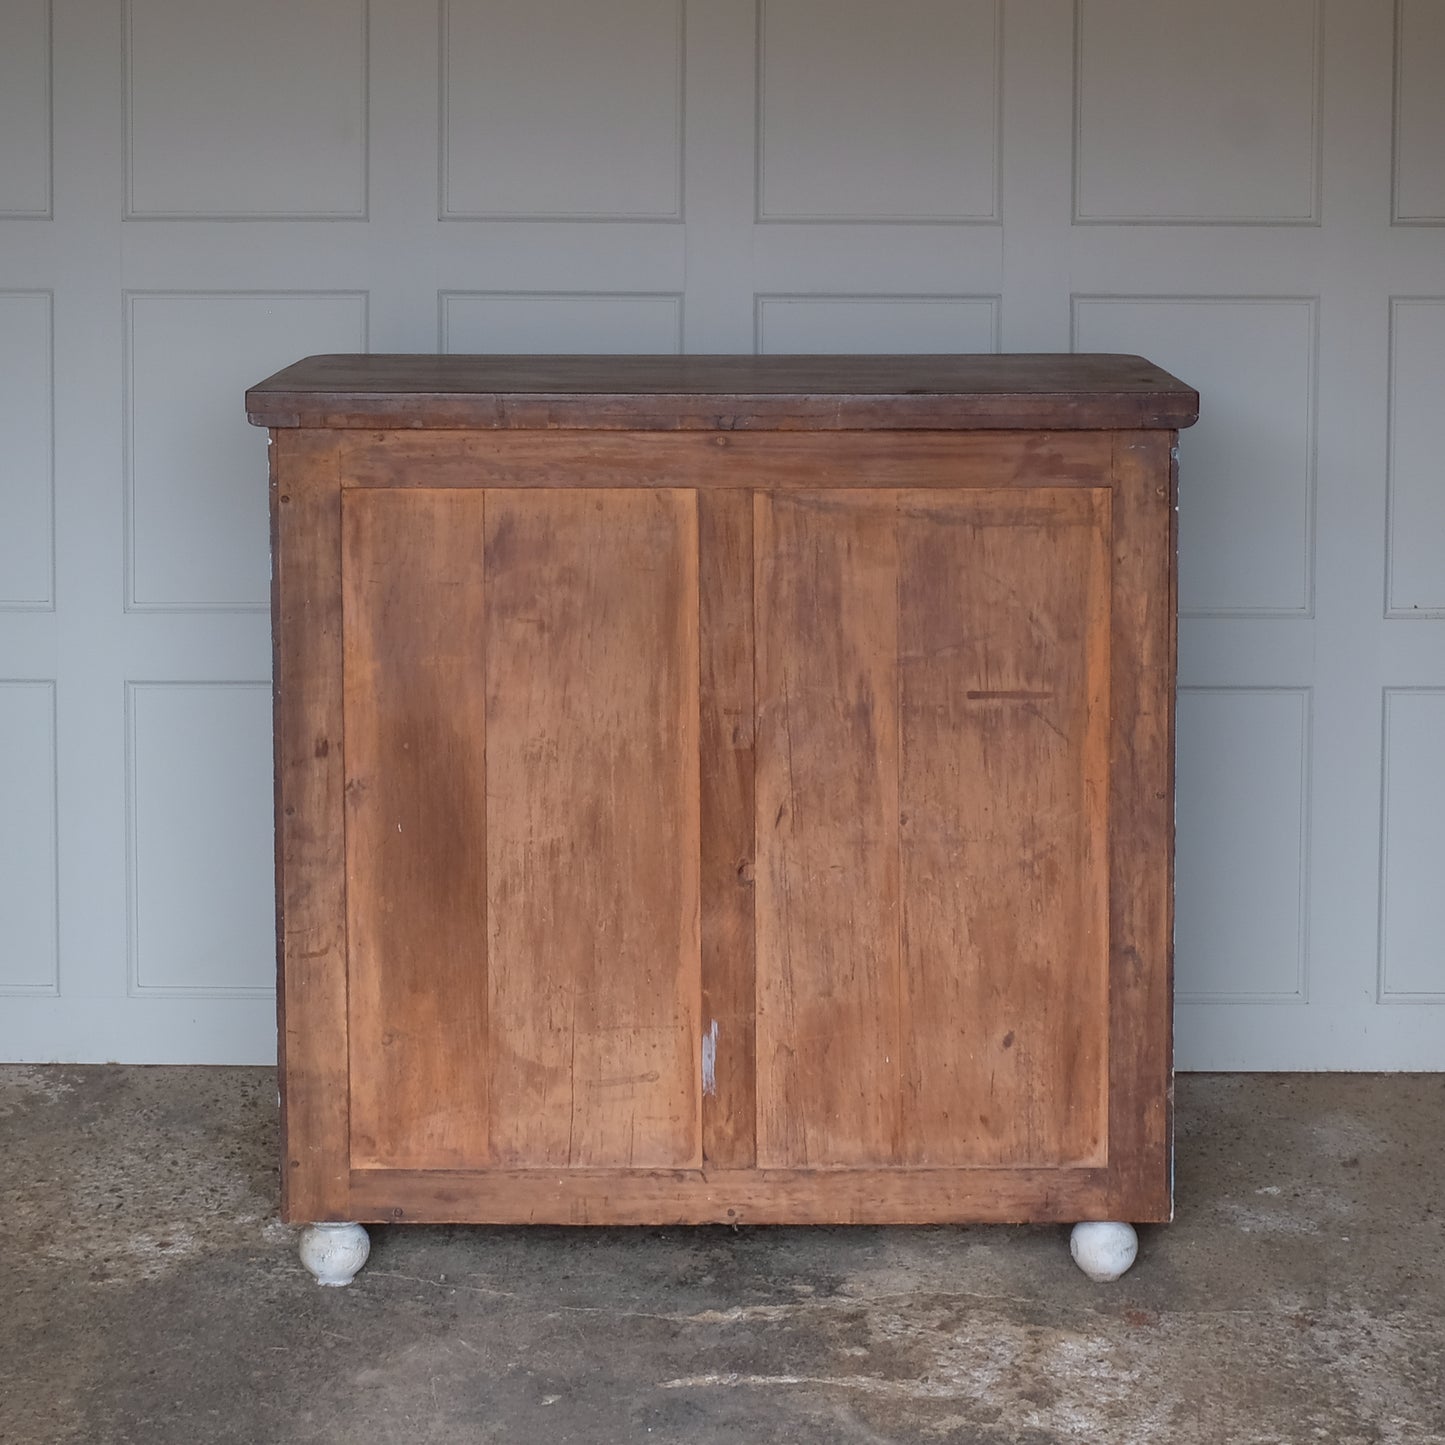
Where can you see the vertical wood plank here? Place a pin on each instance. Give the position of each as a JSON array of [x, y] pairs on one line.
[[311, 882], [1141, 862], [827, 811], [592, 828], [725, 645], [1003, 703], [416, 827]]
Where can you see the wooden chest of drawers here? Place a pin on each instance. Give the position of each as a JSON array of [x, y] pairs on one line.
[[724, 788]]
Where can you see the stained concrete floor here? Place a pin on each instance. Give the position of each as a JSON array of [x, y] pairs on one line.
[[148, 1296]]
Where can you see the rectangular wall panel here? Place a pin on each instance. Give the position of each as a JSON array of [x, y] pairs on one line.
[[1412, 844], [593, 132], [593, 949], [1415, 571], [196, 472], [199, 798], [1419, 172], [1247, 468], [560, 321], [1190, 112], [878, 113], [29, 890], [838, 324], [27, 493], [25, 120], [1242, 844], [254, 110]]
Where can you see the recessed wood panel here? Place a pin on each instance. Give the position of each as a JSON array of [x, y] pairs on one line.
[[1419, 191], [201, 837], [1243, 843], [255, 110], [1003, 785], [197, 512], [557, 110], [25, 109], [581, 323], [1412, 902], [829, 957], [931, 828], [1246, 488], [416, 784], [885, 324], [592, 675], [878, 113], [27, 550], [1191, 112], [28, 872], [1416, 579]]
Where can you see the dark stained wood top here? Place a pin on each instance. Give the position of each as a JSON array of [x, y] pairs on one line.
[[1057, 391]]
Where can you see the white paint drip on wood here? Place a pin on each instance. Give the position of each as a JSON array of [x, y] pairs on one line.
[[709, 1060]]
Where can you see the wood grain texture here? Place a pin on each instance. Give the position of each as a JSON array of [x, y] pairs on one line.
[[932, 915], [740, 1196], [724, 393], [769, 461], [1003, 638], [416, 786], [725, 617], [1141, 855], [592, 828], [828, 960], [310, 827]]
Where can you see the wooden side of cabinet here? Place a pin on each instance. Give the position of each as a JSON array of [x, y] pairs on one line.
[[728, 850]]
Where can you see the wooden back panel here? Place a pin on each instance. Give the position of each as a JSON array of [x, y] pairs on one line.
[[932, 943], [522, 828], [705, 843]]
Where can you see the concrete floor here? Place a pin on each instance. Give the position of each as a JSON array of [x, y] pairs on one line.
[[148, 1295]]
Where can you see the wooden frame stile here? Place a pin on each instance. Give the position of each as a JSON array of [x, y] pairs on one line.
[[1141, 810], [728, 845], [310, 826]]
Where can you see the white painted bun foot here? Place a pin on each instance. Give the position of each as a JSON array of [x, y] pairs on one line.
[[334, 1252], [1104, 1251]]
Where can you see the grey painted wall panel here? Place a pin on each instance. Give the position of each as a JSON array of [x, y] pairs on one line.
[[25, 120], [558, 110], [878, 113], [1412, 896], [199, 798], [224, 121], [1415, 572], [1242, 844], [1190, 112], [27, 463], [29, 943]]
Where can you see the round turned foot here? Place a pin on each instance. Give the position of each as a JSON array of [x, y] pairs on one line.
[[1104, 1251], [334, 1252]]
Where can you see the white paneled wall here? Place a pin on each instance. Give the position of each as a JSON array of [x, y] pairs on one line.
[[194, 193]]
